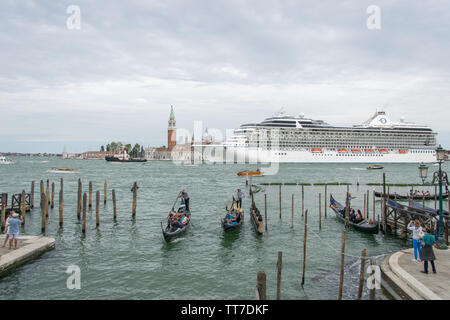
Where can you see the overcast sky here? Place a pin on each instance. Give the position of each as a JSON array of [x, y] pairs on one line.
[[223, 62]]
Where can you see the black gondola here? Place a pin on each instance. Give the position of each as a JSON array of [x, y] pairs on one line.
[[170, 235], [232, 226], [415, 197], [363, 226]]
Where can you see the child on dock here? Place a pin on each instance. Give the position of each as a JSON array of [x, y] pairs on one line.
[[427, 251], [416, 230]]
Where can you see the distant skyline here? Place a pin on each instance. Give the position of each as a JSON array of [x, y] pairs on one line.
[[222, 62]]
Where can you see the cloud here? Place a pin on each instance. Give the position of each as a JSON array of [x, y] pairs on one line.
[[224, 62]]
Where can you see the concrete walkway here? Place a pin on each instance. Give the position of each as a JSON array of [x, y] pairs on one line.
[[29, 247], [406, 275]]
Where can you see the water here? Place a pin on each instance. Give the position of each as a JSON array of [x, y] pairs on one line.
[[130, 260]]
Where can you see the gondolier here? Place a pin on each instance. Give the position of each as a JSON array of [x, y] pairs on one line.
[[184, 195], [239, 196]]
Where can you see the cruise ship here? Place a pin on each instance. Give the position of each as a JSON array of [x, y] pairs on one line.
[[288, 139]]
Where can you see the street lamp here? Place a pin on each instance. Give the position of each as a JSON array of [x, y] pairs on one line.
[[440, 154], [423, 172]]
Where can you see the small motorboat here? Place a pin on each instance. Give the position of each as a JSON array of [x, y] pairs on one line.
[[257, 173], [375, 167], [61, 170], [3, 160]]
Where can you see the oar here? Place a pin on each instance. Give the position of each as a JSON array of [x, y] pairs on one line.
[[173, 206]]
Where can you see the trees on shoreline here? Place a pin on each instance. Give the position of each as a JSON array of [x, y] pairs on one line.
[[115, 147]]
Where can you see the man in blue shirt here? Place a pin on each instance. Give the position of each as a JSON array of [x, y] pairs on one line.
[[13, 231]]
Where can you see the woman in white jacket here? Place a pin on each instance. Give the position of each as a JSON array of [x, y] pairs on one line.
[[417, 236]]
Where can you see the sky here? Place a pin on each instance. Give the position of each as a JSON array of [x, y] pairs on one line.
[[222, 62]]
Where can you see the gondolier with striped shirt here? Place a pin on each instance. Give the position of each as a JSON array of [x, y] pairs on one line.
[[238, 199], [184, 195]]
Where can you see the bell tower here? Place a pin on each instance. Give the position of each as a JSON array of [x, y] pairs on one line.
[[171, 131]]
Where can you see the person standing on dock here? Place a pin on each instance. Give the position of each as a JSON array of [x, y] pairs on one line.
[[13, 231], [416, 230], [185, 196], [239, 196], [427, 251], [6, 230]]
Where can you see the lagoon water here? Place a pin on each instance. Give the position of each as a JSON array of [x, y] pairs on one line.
[[130, 260]]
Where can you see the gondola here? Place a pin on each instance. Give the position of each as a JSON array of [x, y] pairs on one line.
[[233, 226], [375, 167], [415, 197], [363, 226], [170, 235], [417, 207]]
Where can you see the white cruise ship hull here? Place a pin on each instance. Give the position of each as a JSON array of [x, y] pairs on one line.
[[246, 155]]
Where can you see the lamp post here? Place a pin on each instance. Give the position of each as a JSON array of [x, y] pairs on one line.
[[423, 172], [440, 154]]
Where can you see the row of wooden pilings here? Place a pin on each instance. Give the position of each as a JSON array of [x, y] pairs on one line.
[[84, 201]]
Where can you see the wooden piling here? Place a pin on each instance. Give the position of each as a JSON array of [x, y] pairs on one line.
[[83, 225], [41, 192], [3, 217], [23, 206], [261, 285], [61, 206], [104, 192], [279, 267], [133, 209], [114, 204], [47, 191], [80, 187], [32, 195], [361, 274], [373, 205], [292, 211], [365, 204], [383, 210], [341, 278], [90, 194], [265, 210], [347, 208], [44, 211], [53, 195], [280, 200], [304, 247], [372, 290], [303, 200], [368, 204], [97, 208], [325, 202], [320, 211]]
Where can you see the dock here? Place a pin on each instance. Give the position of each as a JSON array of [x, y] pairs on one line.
[[402, 279], [29, 247]]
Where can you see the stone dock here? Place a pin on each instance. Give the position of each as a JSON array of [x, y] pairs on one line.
[[29, 247], [402, 279]]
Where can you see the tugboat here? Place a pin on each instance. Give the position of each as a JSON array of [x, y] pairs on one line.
[[123, 157]]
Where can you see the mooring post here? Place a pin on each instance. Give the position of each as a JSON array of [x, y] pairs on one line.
[[134, 190], [32, 195], [83, 225], [373, 205], [372, 290], [325, 201], [104, 192], [23, 206], [387, 209], [97, 208], [292, 211], [364, 212], [265, 210], [303, 200], [3, 217], [279, 267], [280, 200], [368, 204], [383, 207], [304, 247], [47, 191], [80, 186], [341, 278], [41, 192], [114, 204], [261, 285], [320, 211], [53, 195], [90, 194], [61, 206], [347, 208], [44, 211], [361, 274]]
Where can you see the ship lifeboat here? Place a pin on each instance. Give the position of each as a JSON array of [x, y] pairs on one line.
[[342, 150], [369, 150], [316, 150], [250, 173], [356, 150], [383, 151], [401, 151]]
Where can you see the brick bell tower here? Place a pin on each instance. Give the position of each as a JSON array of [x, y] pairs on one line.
[[171, 131]]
